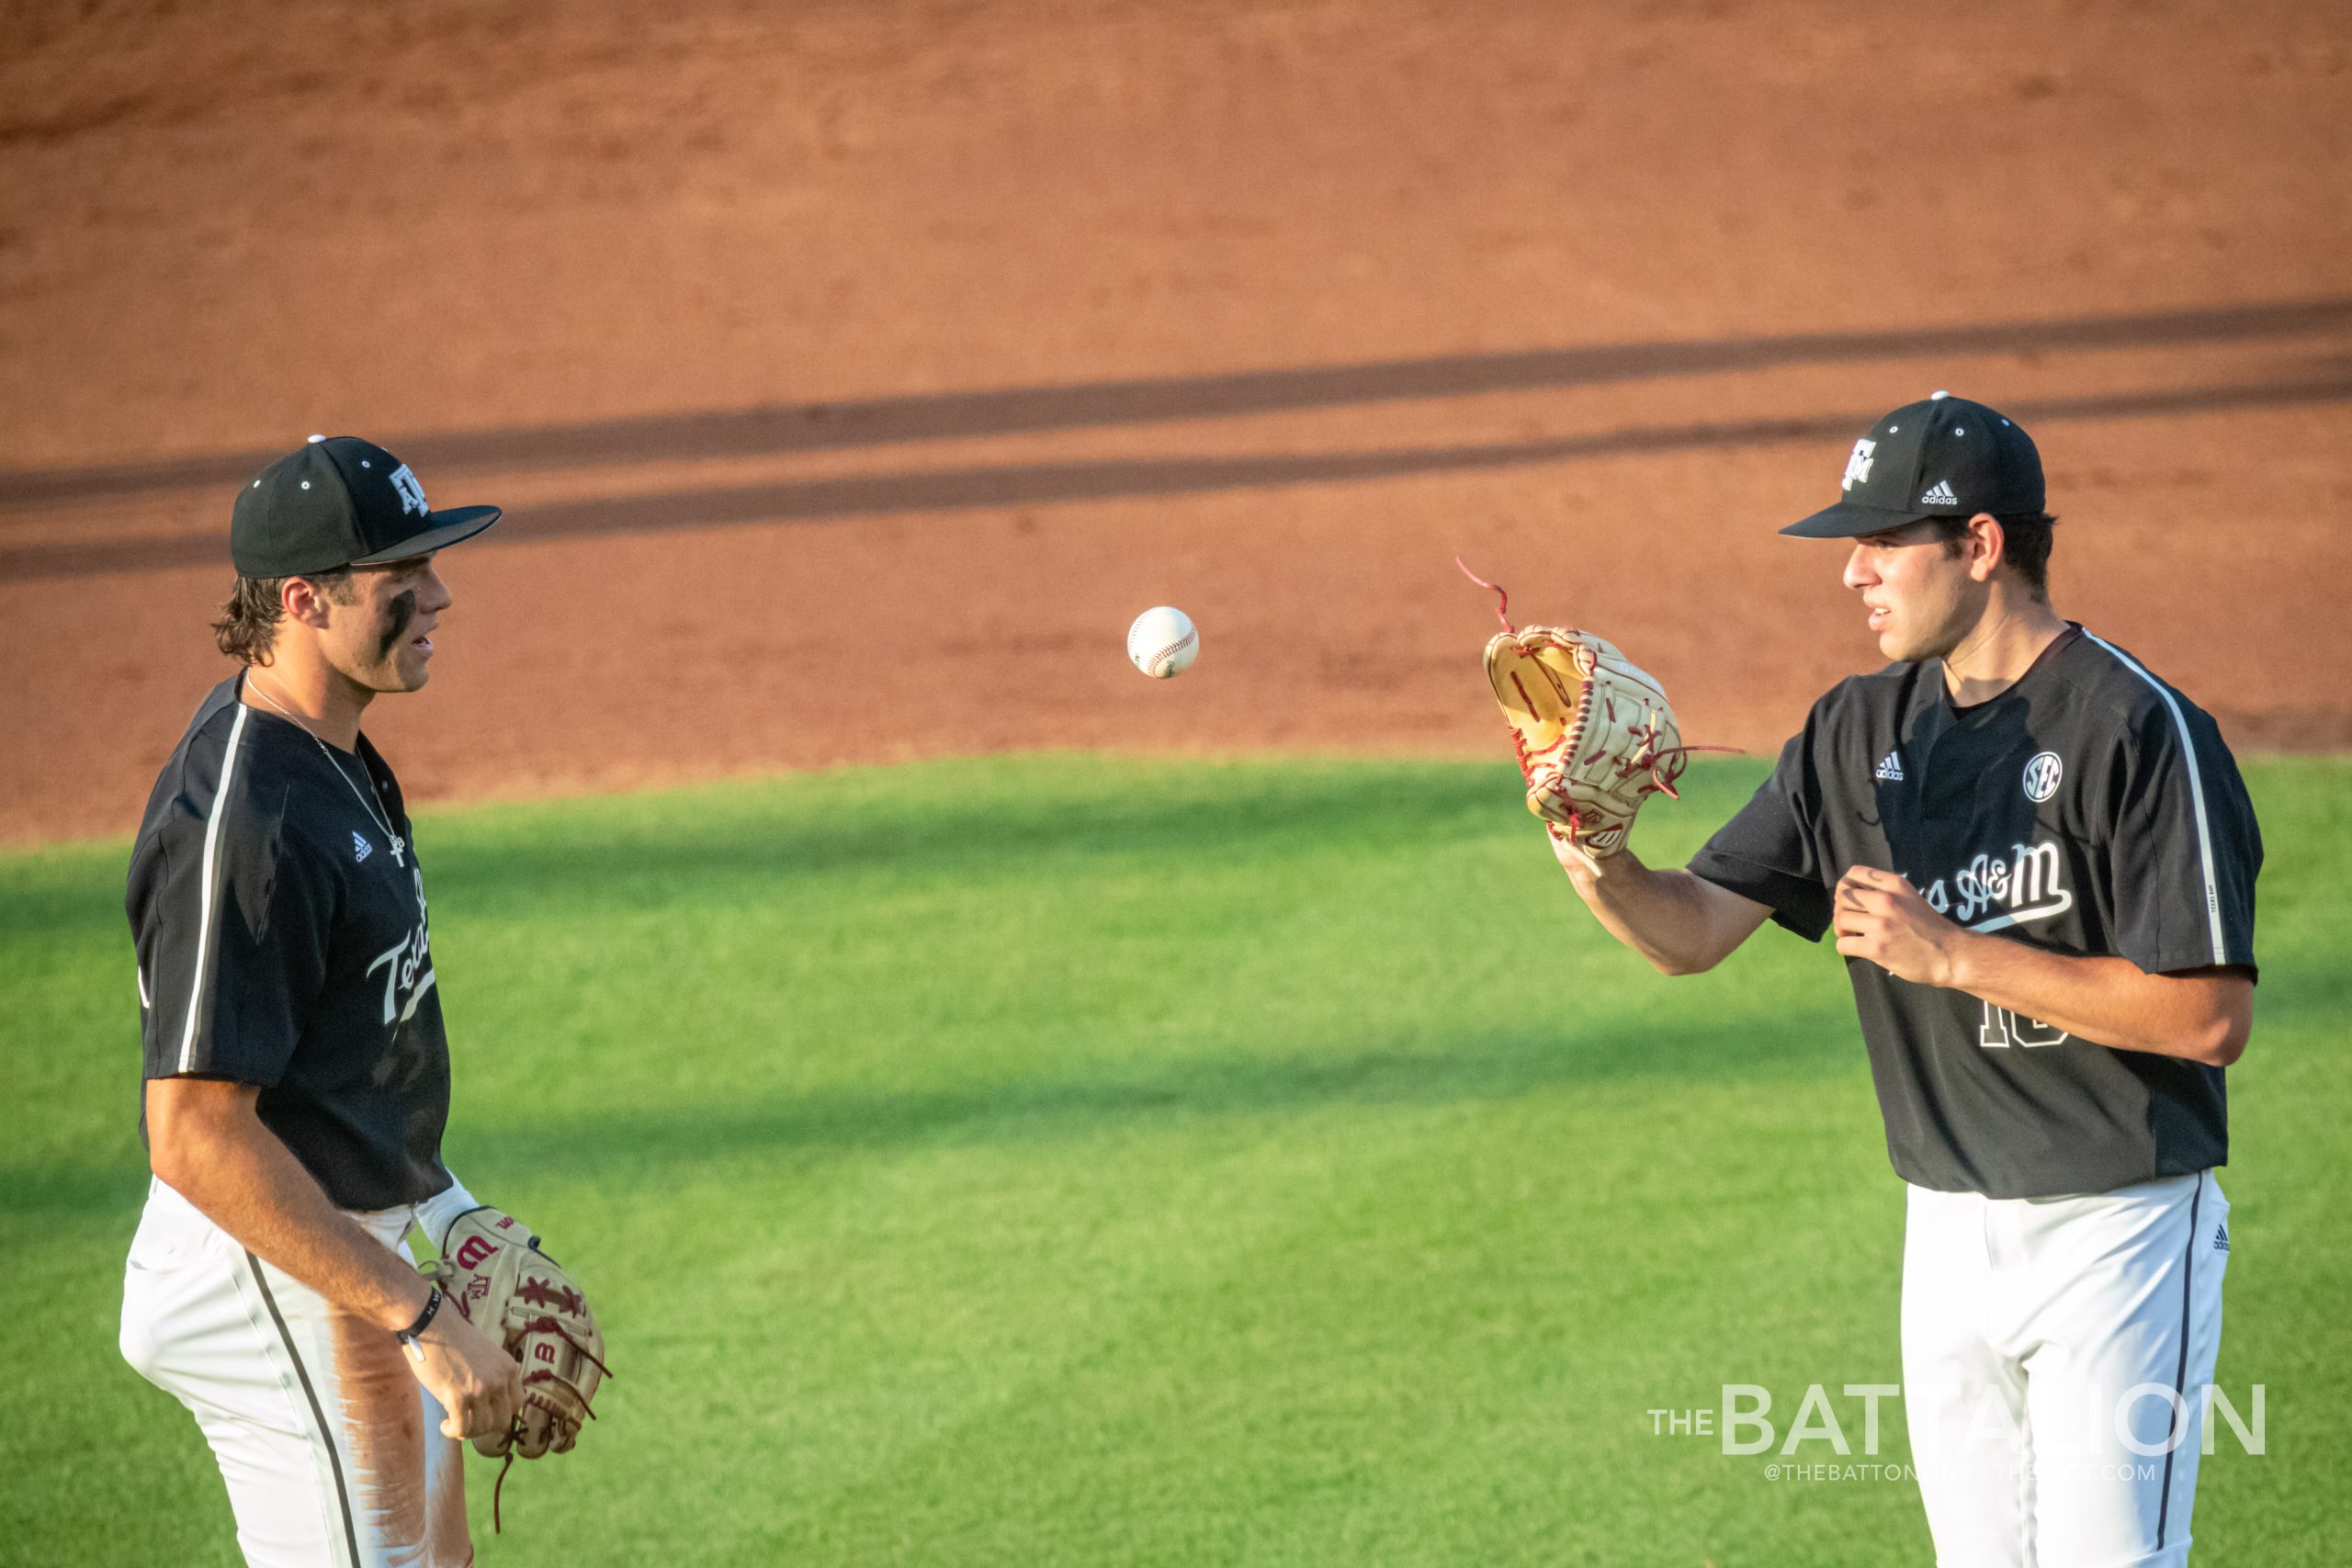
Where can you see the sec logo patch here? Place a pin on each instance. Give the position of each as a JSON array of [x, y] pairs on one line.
[[2041, 776]]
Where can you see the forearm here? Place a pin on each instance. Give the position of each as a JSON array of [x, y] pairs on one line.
[[250, 1184], [1679, 922], [2110, 1001]]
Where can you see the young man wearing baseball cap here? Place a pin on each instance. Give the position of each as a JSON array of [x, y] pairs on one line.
[[297, 1070], [2039, 862]]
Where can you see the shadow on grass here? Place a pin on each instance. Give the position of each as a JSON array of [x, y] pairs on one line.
[[1196, 818], [1701, 1037], [1699, 1042], [648, 1145], [1489, 1070], [1006, 831], [983, 818]]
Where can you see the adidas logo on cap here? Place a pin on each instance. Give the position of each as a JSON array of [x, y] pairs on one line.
[[1940, 495]]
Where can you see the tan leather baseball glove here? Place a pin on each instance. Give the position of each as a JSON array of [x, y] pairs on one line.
[[1596, 737], [491, 1270]]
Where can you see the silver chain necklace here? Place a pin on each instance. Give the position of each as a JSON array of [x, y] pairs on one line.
[[373, 807]]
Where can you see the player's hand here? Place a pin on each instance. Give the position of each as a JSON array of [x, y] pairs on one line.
[[1881, 917], [478, 1384], [1573, 860]]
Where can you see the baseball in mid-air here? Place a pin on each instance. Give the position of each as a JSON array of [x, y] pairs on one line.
[[1163, 642]]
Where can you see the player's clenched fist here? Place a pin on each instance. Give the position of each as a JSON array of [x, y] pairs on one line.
[[478, 1384], [1881, 917]]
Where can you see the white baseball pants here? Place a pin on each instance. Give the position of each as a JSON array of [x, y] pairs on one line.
[[2057, 1355], [332, 1451]]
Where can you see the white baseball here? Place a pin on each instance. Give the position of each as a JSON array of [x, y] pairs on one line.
[[1163, 642]]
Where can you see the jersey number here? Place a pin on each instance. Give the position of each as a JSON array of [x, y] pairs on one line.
[[2002, 1028]]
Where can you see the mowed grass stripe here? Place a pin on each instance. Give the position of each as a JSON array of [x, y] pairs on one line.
[[1068, 1160]]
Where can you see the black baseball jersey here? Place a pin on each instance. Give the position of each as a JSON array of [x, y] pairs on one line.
[[282, 942], [2089, 809]]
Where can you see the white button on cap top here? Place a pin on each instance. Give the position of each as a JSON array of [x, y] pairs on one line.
[[1933, 396], [316, 439]]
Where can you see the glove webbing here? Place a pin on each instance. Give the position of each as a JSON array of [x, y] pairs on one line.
[[1582, 706], [514, 1429]]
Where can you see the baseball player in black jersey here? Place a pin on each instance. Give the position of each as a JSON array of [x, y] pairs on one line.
[[297, 1072], [2038, 860]]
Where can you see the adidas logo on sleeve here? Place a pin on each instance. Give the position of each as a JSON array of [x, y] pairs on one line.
[[1889, 769]]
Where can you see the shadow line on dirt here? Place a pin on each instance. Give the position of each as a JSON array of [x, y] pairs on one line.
[[779, 429], [958, 490]]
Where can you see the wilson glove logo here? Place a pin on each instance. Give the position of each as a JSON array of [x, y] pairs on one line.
[[474, 1252]]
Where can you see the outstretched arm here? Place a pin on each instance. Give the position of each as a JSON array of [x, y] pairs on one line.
[[1682, 924], [2202, 1016]]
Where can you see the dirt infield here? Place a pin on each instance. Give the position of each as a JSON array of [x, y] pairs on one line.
[[852, 373]]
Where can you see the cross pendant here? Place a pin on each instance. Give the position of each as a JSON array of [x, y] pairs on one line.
[[398, 846]]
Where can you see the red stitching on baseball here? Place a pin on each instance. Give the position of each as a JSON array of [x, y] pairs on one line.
[[1153, 663]]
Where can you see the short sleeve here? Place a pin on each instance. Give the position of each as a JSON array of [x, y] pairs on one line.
[[231, 918], [1769, 852], [2184, 846]]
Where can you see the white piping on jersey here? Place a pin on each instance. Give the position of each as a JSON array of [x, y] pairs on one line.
[[2196, 792], [211, 863]]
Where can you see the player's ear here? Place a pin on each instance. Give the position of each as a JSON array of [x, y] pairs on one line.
[[303, 601], [1987, 546]]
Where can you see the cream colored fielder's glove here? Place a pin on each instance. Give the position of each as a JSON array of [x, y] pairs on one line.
[[491, 1270], [1595, 736]]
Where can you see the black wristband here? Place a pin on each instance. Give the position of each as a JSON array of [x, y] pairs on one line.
[[432, 1305]]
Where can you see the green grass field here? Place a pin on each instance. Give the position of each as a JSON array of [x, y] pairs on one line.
[[1068, 1160]]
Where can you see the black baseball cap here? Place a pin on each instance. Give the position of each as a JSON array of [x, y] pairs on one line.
[[1943, 457], [340, 501]]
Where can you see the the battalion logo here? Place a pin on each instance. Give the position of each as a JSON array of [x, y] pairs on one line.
[[1858, 467], [411, 490], [2041, 776]]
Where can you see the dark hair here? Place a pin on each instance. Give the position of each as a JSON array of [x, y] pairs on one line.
[[247, 628], [2025, 544]]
